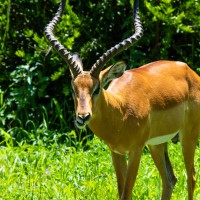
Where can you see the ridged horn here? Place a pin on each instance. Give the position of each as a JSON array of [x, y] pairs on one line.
[[74, 65], [97, 67]]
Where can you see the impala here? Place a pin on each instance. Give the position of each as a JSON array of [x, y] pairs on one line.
[[149, 105]]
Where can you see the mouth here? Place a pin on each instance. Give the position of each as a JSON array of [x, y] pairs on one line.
[[80, 124]]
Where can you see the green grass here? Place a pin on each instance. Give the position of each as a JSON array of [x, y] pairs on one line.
[[30, 172]]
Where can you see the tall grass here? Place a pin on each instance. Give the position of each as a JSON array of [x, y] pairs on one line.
[[33, 172]]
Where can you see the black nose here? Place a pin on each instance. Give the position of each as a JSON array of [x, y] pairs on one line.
[[84, 117]]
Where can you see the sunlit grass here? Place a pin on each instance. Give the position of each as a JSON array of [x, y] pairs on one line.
[[30, 172]]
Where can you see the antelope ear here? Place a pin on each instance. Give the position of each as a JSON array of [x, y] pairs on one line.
[[112, 72]]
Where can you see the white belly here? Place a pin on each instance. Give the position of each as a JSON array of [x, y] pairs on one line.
[[161, 139]]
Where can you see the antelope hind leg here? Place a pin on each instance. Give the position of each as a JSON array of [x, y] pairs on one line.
[[160, 156], [189, 143]]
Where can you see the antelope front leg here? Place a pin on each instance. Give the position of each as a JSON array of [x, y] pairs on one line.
[[132, 169], [119, 162]]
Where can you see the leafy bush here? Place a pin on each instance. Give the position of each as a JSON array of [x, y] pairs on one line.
[[35, 96]]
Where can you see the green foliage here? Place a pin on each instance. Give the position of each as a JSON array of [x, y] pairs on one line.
[[35, 97], [32, 172], [174, 26], [166, 12]]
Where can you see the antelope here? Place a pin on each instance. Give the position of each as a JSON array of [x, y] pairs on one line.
[[149, 105]]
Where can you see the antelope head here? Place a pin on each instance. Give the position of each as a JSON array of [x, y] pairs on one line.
[[87, 85]]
